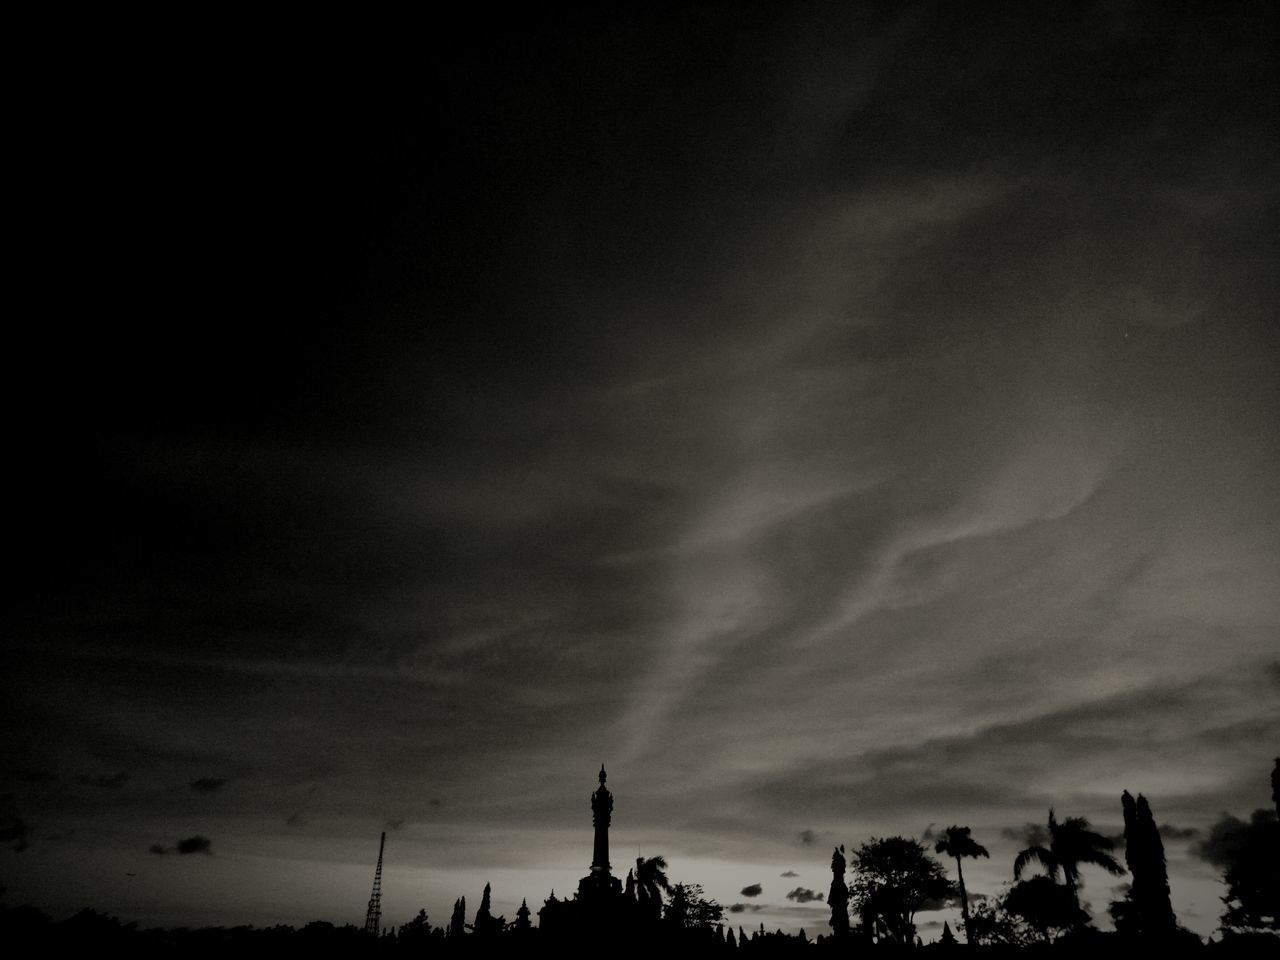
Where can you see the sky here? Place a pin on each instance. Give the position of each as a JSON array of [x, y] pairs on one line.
[[840, 420]]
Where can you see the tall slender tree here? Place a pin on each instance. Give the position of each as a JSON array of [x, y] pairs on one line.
[[1071, 844], [484, 919], [458, 922], [1149, 911], [838, 895], [1275, 786], [956, 842]]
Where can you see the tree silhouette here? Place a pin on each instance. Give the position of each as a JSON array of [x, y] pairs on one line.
[[956, 842], [691, 909], [486, 924], [1248, 854], [993, 924], [1147, 910], [416, 931], [838, 895], [1045, 906], [651, 883], [1071, 844], [893, 878], [484, 919], [458, 922], [1275, 786]]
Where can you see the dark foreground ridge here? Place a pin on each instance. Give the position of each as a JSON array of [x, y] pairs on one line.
[[876, 891]]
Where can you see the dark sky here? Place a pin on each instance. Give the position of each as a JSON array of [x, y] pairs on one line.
[[838, 419]]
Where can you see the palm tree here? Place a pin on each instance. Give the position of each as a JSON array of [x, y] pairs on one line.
[[651, 881], [1071, 843], [956, 842]]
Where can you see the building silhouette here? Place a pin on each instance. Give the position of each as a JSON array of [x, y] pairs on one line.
[[600, 884]]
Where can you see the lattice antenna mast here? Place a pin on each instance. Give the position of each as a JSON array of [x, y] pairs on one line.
[[373, 918]]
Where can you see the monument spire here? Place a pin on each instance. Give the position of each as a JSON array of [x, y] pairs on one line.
[[601, 816], [600, 882]]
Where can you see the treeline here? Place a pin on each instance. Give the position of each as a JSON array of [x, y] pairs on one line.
[[894, 878], [876, 892]]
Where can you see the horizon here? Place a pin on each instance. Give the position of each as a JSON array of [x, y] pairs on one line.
[[843, 420], [407, 888]]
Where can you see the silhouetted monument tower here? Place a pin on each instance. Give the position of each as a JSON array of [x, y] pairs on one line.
[[374, 917], [601, 816], [600, 882]]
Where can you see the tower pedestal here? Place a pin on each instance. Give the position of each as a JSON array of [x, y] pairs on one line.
[[598, 887]]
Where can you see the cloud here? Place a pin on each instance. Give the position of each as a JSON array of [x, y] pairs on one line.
[[805, 895], [746, 907], [789, 873], [1169, 832], [1231, 836], [1027, 835], [107, 782], [208, 784], [1090, 740], [752, 890], [808, 837], [195, 844]]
